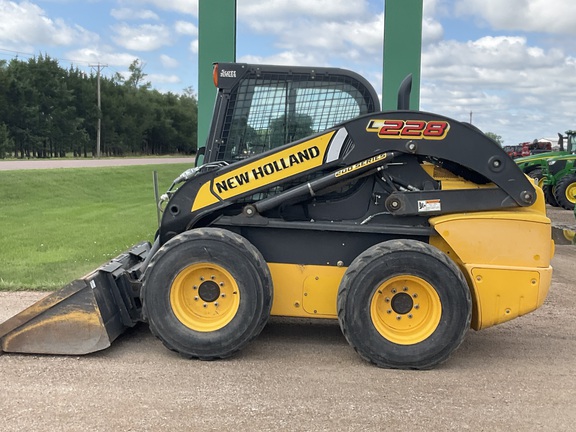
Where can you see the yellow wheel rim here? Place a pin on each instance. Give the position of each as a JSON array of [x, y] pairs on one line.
[[568, 234], [405, 309], [204, 297], [571, 193], [541, 182]]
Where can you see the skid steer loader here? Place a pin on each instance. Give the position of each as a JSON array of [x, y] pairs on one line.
[[405, 226]]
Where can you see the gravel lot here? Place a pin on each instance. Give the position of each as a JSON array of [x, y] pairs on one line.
[[302, 376]]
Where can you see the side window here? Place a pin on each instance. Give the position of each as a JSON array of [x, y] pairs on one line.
[[264, 113]]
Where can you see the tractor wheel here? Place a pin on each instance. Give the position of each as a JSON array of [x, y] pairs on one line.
[[565, 191], [549, 195], [537, 175], [404, 304], [207, 293]]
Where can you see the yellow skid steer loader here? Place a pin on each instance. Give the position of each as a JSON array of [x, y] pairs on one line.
[[405, 226]]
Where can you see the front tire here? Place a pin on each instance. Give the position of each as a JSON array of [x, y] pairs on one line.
[[404, 304], [565, 191], [207, 293]]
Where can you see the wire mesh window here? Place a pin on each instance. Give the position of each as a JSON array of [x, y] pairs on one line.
[[270, 111]]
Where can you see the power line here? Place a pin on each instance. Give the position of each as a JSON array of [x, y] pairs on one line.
[[22, 53], [98, 68]]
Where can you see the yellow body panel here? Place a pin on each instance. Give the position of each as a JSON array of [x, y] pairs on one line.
[[305, 291], [504, 293], [505, 256]]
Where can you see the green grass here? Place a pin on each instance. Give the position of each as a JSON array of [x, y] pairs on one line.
[[57, 225]]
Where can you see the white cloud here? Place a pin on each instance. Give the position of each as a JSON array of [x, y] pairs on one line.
[[25, 24], [432, 31], [194, 46], [317, 33], [518, 90], [288, 58], [546, 16], [169, 62], [146, 37], [133, 14], [186, 28], [189, 7], [103, 56], [261, 15], [163, 79]]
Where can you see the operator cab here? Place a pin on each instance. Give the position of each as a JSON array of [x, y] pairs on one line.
[[260, 107]]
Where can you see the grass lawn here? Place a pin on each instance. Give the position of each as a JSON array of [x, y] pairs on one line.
[[57, 225]]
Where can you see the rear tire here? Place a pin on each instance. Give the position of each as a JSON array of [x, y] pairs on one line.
[[549, 195], [207, 293], [404, 304], [565, 191]]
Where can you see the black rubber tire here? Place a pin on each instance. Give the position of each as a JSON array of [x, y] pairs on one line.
[[536, 174], [383, 262], [229, 251], [565, 184], [549, 195]]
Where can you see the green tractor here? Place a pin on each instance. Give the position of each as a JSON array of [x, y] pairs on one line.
[[559, 181], [536, 165]]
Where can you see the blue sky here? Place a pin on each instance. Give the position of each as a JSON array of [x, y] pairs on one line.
[[512, 63]]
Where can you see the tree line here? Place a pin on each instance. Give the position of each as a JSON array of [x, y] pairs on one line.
[[48, 111]]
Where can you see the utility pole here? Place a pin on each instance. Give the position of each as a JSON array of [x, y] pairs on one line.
[[470, 117], [98, 68]]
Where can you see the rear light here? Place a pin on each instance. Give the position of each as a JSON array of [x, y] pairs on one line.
[[215, 75]]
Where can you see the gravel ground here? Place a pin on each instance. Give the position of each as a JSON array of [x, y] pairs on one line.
[[303, 376]]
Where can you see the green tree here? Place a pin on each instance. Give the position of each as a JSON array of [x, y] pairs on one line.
[[287, 129], [495, 137], [6, 142], [137, 75], [50, 111]]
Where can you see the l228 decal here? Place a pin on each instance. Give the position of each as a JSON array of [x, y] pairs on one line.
[[409, 129]]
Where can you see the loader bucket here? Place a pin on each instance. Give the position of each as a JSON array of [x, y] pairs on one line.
[[83, 317]]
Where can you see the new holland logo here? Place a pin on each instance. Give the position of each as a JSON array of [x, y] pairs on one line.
[[267, 169], [262, 172]]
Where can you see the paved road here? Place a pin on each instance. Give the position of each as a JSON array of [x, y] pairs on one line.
[[89, 163]]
